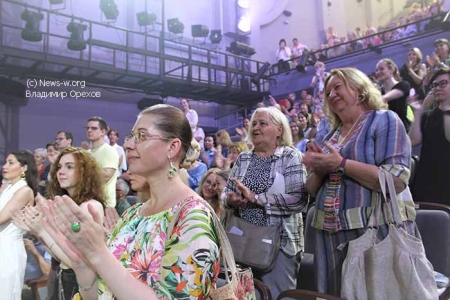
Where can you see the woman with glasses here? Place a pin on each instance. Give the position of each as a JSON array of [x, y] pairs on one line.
[[76, 174], [432, 130], [142, 260], [207, 190]]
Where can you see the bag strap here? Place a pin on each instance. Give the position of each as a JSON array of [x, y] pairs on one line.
[[392, 209], [227, 252]]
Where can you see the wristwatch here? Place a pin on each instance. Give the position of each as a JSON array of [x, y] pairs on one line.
[[341, 169]]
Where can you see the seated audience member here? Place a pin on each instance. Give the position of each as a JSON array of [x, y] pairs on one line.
[[298, 138], [336, 50], [40, 156], [432, 130], [113, 136], [323, 128], [207, 155], [207, 191], [38, 263], [287, 107], [394, 90], [343, 181], [297, 50], [252, 193], [282, 56], [52, 155], [435, 13], [414, 28], [233, 154], [318, 80], [355, 45], [195, 169], [371, 39], [122, 190], [303, 122], [139, 245], [413, 71]]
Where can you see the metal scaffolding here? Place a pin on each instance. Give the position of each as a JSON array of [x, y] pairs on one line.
[[136, 61]]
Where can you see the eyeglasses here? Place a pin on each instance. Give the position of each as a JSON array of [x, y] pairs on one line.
[[441, 84], [142, 136], [91, 127]]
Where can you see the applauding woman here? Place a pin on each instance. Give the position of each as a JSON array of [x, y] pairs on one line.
[[344, 169], [142, 260], [267, 187], [75, 173], [20, 170]]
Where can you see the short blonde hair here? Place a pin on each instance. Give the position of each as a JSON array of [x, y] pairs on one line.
[[277, 118], [239, 147], [358, 82]]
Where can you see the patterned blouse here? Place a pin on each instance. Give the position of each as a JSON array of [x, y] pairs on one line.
[[279, 207], [381, 141], [184, 265]]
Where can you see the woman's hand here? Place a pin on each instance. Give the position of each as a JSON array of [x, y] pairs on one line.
[[322, 163], [111, 219], [89, 239], [32, 218], [235, 200], [245, 191]]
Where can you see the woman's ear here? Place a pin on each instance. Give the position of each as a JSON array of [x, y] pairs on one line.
[[174, 147]]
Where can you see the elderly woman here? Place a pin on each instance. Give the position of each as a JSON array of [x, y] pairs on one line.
[[40, 156], [267, 187], [344, 169], [142, 259]]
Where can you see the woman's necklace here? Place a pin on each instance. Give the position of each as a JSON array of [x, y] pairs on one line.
[[351, 129]]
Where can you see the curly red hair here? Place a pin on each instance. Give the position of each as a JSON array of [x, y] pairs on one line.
[[88, 177]]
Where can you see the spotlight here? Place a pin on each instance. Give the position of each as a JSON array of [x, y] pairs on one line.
[[76, 41], [175, 26], [260, 73], [56, 1], [239, 48], [31, 31], [145, 18], [244, 23], [109, 9], [215, 36], [199, 31]]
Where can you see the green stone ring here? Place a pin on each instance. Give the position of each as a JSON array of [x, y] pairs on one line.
[[76, 226]]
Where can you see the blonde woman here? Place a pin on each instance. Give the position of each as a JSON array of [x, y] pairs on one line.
[[223, 141], [414, 71]]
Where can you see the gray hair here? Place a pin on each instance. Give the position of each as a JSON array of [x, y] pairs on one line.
[[41, 152], [277, 118], [123, 185]]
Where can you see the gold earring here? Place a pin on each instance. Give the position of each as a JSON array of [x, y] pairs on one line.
[[172, 169], [22, 175]]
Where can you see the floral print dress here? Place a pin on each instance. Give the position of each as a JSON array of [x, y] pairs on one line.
[[184, 265]]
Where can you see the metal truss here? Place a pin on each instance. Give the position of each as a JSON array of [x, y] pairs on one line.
[[125, 59]]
